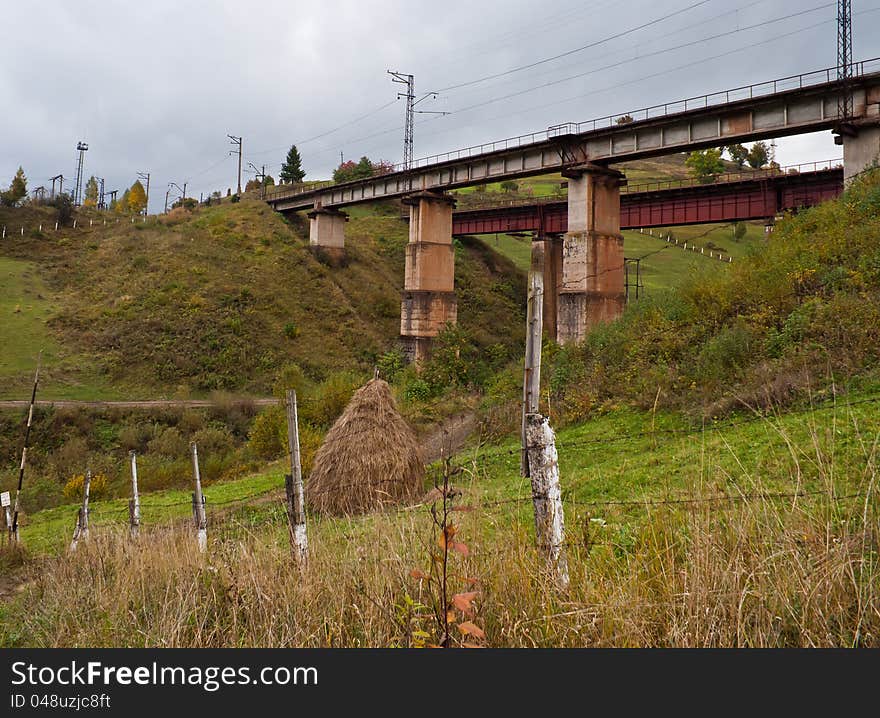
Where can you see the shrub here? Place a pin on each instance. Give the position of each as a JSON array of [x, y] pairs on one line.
[[73, 489], [390, 364], [169, 443], [266, 437]]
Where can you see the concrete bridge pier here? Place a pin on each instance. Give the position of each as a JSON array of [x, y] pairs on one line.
[[549, 248], [327, 230], [429, 283], [592, 287], [861, 150]]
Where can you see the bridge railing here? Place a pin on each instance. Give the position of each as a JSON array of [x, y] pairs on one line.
[[728, 177], [740, 176], [746, 92]]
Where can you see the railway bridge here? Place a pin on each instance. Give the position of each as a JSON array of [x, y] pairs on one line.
[[589, 280]]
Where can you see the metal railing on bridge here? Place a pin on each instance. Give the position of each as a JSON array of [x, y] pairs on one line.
[[726, 178], [815, 78]]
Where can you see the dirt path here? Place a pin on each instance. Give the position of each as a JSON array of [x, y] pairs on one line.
[[149, 404], [449, 437]]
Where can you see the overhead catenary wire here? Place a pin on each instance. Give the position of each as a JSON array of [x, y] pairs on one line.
[[567, 53]]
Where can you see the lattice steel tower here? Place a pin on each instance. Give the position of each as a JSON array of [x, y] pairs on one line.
[[844, 59], [409, 127]]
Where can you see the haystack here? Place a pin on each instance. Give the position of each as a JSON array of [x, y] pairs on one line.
[[369, 459]]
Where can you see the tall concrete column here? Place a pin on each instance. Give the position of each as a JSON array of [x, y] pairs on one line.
[[429, 282], [860, 151], [551, 251], [593, 286], [327, 230]]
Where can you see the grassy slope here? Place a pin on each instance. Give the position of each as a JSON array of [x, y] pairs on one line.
[[623, 456], [221, 299]]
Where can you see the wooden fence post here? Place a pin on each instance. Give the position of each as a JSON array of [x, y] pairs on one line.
[[293, 484], [24, 450], [534, 332], [82, 522], [77, 529], [134, 504], [547, 495], [199, 515]]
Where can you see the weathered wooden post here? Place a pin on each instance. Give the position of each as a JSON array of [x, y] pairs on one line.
[[134, 504], [547, 495], [293, 484], [82, 522], [534, 331], [540, 460], [24, 450], [199, 515]]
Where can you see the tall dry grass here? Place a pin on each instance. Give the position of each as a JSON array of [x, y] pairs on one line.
[[796, 571]]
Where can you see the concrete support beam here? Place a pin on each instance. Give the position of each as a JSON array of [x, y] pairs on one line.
[[327, 229], [593, 286], [551, 253], [429, 282], [860, 151]]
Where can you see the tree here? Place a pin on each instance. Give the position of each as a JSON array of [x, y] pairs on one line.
[[759, 155], [705, 165], [63, 205], [91, 194], [509, 186], [17, 190], [738, 153], [137, 198], [350, 171], [291, 170], [122, 205]]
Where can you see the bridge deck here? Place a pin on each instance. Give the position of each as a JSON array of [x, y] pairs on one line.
[[760, 197], [794, 105]]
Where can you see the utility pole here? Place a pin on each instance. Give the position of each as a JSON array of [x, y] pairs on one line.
[[146, 176], [411, 102], [260, 175], [82, 148], [844, 58], [60, 186], [167, 191], [844, 125], [180, 189], [237, 141], [409, 124]]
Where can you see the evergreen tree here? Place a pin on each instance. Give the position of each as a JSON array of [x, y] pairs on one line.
[[17, 190], [137, 198], [759, 155], [292, 170], [91, 193]]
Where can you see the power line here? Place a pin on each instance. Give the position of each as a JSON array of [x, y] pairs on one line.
[[642, 78], [331, 131], [642, 57], [575, 50]]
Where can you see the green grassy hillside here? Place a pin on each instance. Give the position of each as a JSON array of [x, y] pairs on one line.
[[218, 299]]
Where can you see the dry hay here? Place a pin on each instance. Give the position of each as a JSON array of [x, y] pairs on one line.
[[369, 459]]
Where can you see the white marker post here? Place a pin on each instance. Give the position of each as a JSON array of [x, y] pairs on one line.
[[199, 516], [134, 504]]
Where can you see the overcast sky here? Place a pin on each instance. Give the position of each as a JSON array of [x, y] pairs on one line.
[[156, 86]]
